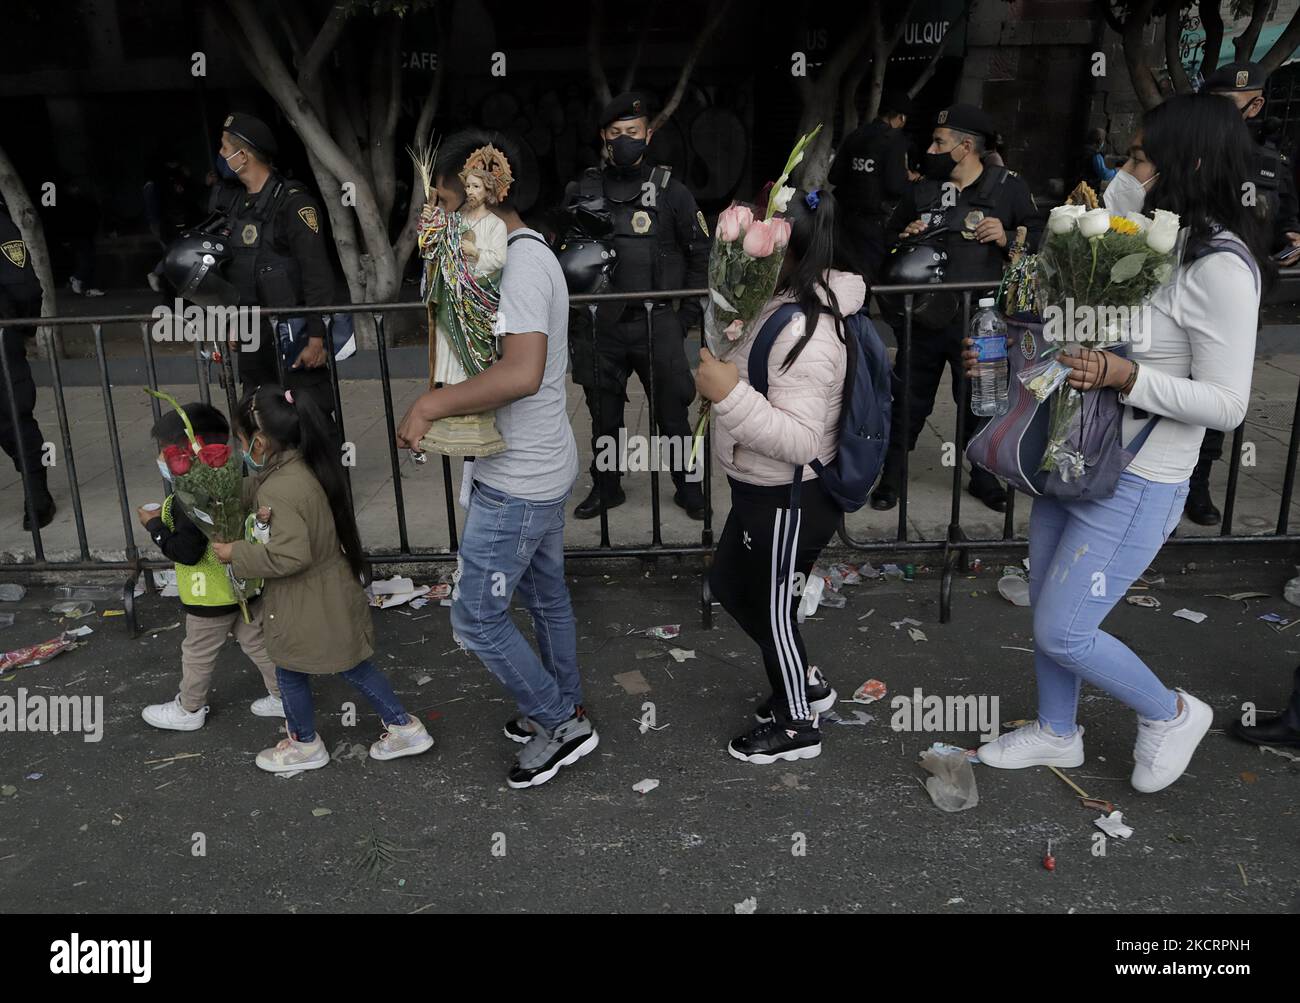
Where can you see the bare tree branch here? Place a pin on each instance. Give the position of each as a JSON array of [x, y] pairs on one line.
[[718, 10], [933, 64], [1144, 83], [385, 103], [405, 243], [1173, 53], [629, 75], [324, 43], [595, 69], [1212, 22], [1244, 44], [1284, 47]]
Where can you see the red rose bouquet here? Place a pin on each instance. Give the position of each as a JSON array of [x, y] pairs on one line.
[[207, 480]]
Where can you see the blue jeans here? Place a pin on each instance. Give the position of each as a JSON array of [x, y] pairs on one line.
[[512, 543], [295, 694], [1083, 556]]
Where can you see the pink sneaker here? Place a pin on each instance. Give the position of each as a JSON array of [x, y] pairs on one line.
[[292, 755]]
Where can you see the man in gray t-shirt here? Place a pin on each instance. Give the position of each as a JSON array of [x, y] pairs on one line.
[[540, 461], [514, 528]]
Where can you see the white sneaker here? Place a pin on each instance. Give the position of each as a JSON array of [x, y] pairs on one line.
[[294, 755], [408, 739], [1164, 748], [1032, 745], [76, 285], [94, 292], [174, 717], [268, 706]]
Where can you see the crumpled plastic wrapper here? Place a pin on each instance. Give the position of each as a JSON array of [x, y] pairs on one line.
[[952, 784]]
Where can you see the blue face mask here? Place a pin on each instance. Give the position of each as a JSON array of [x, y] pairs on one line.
[[162, 469], [224, 169], [251, 465]]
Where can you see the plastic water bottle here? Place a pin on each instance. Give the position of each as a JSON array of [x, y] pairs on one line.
[[989, 383]]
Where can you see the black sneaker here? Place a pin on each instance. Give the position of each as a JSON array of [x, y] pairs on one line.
[[821, 697], [521, 727], [789, 740], [545, 752]]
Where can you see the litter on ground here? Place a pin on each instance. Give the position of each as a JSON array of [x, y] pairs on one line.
[[747, 907], [870, 691], [681, 654], [1190, 614], [633, 683], [645, 786], [1113, 825], [951, 785]]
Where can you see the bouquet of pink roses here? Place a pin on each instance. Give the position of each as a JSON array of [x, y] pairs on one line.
[[743, 268]]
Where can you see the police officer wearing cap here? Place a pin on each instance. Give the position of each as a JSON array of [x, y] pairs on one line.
[[869, 174], [970, 211], [661, 242], [1275, 194], [20, 296], [278, 259]]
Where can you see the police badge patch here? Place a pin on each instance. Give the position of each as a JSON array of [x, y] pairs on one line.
[[308, 215], [641, 221], [248, 235], [16, 252], [699, 216], [1027, 345], [1243, 78], [943, 116], [229, 120]]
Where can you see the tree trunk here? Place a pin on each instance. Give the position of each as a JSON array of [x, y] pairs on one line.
[[933, 64], [1244, 44], [28, 221], [1212, 23], [1284, 47], [718, 9], [595, 69], [819, 96], [1173, 60], [1135, 56]]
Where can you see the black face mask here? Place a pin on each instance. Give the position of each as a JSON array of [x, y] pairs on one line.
[[624, 151], [937, 166], [1255, 126]]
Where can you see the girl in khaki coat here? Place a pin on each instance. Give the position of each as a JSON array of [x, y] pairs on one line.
[[317, 620]]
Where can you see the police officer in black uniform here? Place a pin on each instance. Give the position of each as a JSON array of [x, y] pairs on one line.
[[20, 296], [971, 210], [662, 243], [279, 259], [869, 173], [1275, 194]]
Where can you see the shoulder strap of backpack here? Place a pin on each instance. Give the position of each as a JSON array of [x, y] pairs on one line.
[[527, 236], [1232, 244], [763, 342]]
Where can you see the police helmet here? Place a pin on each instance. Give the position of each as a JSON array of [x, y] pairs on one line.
[[914, 263], [193, 266], [588, 265]]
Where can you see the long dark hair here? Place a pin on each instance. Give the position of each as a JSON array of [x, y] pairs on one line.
[[1203, 151], [301, 425], [813, 251]]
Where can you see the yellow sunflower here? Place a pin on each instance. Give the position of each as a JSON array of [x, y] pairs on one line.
[[1121, 225]]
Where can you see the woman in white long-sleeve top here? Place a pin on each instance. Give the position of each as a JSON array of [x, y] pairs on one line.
[[1194, 372]]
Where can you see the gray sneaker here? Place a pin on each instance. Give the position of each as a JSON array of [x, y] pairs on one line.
[[544, 754]]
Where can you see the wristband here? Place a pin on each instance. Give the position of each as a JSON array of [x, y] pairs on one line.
[[1127, 388]]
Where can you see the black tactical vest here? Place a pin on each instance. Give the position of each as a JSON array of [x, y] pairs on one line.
[[968, 260], [263, 274], [640, 237], [17, 274]]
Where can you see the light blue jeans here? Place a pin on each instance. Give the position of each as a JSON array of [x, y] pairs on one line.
[[512, 543], [1083, 556]]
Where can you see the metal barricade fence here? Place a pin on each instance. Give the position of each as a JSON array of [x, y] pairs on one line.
[[955, 547]]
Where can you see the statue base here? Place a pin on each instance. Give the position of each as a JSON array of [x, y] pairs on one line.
[[464, 435]]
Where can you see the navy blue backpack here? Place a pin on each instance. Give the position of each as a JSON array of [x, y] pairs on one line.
[[864, 417]]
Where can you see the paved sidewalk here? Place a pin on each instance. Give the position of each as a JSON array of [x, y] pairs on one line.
[[113, 825]]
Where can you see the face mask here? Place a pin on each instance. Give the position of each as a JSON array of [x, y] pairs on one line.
[[250, 464], [224, 168], [937, 166], [162, 469], [625, 151], [1125, 193]]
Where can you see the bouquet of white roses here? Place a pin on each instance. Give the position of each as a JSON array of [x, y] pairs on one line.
[[1093, 278]]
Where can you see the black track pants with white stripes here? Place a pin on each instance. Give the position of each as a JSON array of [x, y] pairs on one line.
[[744, 577]]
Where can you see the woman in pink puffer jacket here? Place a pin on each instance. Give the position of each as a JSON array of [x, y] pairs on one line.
[[760, 441]]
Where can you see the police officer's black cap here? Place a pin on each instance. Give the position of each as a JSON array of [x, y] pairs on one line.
[[894, 102], [1236, 77], [252, 130], [633, 104], [967, 118]]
